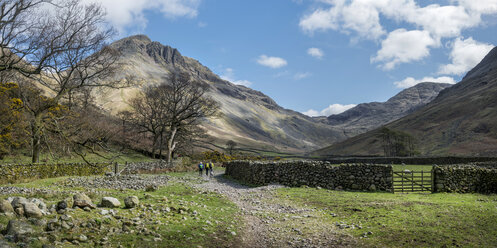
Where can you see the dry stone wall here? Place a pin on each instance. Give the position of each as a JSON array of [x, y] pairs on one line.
[[313, 173], [15, 172], [480, 178]]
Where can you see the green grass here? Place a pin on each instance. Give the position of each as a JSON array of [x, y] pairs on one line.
[[211, 226], [400, 220], [399, 167]]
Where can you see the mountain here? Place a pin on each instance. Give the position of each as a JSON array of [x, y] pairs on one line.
[[368, 116], [249, 117], [461, 120]]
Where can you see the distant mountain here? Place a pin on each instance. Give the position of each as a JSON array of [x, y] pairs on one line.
[[368, 116], [249, 117], [461, 120]]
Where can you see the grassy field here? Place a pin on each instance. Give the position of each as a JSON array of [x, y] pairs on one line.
[[404, 220], [192, 218]]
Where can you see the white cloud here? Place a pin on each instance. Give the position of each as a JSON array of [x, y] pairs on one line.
[[410, 81], [360, 16], [315, 52], [402, 46], [131, 13], [480, 6], [319, 20], [465, 55], [301, 75], [273, 62], [333, 109], [363, 18], [311, 113], [202, 24], [229, 75]]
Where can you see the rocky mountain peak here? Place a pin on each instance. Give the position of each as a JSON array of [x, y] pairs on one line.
[[167, 54], [367, 116], [421, 92]]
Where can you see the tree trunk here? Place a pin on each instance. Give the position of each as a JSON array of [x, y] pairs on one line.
[[154, 143], [36, 127], [171, 144], [160, 145]]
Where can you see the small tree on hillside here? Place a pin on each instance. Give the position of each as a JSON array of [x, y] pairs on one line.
[[230, 146], [397, 143]]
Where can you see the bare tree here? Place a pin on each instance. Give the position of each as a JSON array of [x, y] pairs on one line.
[[186, 103], [230, 146], [73, 55], [171, 112]]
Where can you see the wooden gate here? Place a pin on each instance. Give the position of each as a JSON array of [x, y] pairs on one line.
[[412, 181]]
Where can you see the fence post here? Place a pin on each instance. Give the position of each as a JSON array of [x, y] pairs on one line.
[[116, 168], [433, 179]]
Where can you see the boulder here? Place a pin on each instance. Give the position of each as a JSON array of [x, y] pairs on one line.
[[110, 202], [131, 201], [31, 210], [62, 205], [17, 202], [18, 230], [6, 207], [81, 200], [40, 204]]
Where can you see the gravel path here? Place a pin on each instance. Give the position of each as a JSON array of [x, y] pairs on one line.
[[269, 223]]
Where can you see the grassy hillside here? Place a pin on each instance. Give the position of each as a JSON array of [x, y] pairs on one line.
[[462, 120]]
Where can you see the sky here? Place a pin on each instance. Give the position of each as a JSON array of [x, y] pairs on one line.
[[319, 57]]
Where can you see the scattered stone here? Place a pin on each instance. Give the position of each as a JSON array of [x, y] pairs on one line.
[[81, 200], [40, 204], [4, 244], [151, 188], [233, 233], [31, 210], [104, 212], [82, 238], [110, 202], [62, 205], [131, 202], [17, 202], [19, 211], [18, 230], [6, 207], [119, 182]]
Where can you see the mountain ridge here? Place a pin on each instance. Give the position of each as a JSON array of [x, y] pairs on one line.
[[249, 117], [461, 120]]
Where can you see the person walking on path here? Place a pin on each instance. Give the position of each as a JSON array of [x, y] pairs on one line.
[[211, 168], [200, 168], [207, 168]]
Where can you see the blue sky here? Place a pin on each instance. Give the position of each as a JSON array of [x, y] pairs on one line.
[[319, 57]]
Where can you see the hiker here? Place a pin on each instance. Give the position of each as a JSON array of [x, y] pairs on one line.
[[200, 168], [207, 168], [211, 168]]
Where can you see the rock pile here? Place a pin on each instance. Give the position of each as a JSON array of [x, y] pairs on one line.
[[29, 208], [119, 182]]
